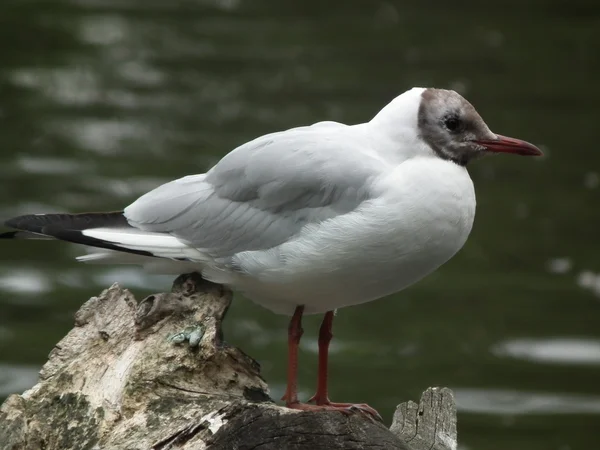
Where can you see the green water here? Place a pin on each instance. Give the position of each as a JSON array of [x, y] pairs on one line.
[[101, 100]]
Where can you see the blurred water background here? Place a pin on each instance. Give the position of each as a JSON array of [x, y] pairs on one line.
[[102, 100]]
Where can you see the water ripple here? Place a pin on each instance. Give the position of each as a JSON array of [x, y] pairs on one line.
[[17, 378], [25, 281], [104, 29], [504, 401], [557, 351], [66, 85], [104, 136], [129, 277], [51, 166]]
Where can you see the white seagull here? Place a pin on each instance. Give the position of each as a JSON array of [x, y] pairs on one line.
[[311, 219]]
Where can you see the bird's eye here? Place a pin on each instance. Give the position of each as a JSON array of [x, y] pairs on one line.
[[452, 123]]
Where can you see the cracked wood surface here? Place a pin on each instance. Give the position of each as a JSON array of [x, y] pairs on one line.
[[157, 374]]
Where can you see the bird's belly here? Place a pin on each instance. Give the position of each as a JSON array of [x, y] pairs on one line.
[[334, 280], [372, 252]]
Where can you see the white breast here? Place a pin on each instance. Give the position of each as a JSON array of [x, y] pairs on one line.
[[422, 216]]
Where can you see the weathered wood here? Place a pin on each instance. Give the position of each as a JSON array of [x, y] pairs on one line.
[[158, 375], [430, 424]]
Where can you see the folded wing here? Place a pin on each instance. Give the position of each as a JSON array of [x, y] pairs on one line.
[[262, 193]]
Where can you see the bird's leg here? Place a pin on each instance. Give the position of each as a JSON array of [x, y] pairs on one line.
[[321, 397], [325, 334], [294, 334]]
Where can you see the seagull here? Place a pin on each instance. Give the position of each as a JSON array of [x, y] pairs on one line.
[[311, 219]]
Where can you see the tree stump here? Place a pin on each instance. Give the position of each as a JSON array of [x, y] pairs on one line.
[[158, 375]]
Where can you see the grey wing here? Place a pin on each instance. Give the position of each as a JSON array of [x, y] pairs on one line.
[[262, 193]]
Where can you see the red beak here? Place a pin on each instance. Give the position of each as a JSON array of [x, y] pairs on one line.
[[505, 144]]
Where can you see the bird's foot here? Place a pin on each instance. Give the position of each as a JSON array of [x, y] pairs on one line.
[[192, 335], [345, 408], [361, 407]]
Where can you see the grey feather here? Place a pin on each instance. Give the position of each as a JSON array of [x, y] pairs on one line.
[[262, 193]]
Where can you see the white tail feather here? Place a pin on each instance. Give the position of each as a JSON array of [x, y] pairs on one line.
[[159, 244]]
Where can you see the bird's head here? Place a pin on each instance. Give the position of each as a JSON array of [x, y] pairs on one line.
[[454, 130]]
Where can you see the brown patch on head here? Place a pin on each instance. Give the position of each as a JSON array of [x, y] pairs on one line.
[[449, 124]]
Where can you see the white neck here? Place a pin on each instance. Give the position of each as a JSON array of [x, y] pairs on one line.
[[397, 126]]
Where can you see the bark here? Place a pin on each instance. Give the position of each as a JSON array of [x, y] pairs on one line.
[[156, 374]]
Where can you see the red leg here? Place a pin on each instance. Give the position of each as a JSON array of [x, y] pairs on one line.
[[321, 397], [325, 335], [294, 334]]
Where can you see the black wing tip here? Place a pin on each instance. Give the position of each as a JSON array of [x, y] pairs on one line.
[[70, 227], [36, 223], [15, 222]]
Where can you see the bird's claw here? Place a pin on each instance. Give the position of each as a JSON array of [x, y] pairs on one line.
[[367, 410], [344, 408]]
